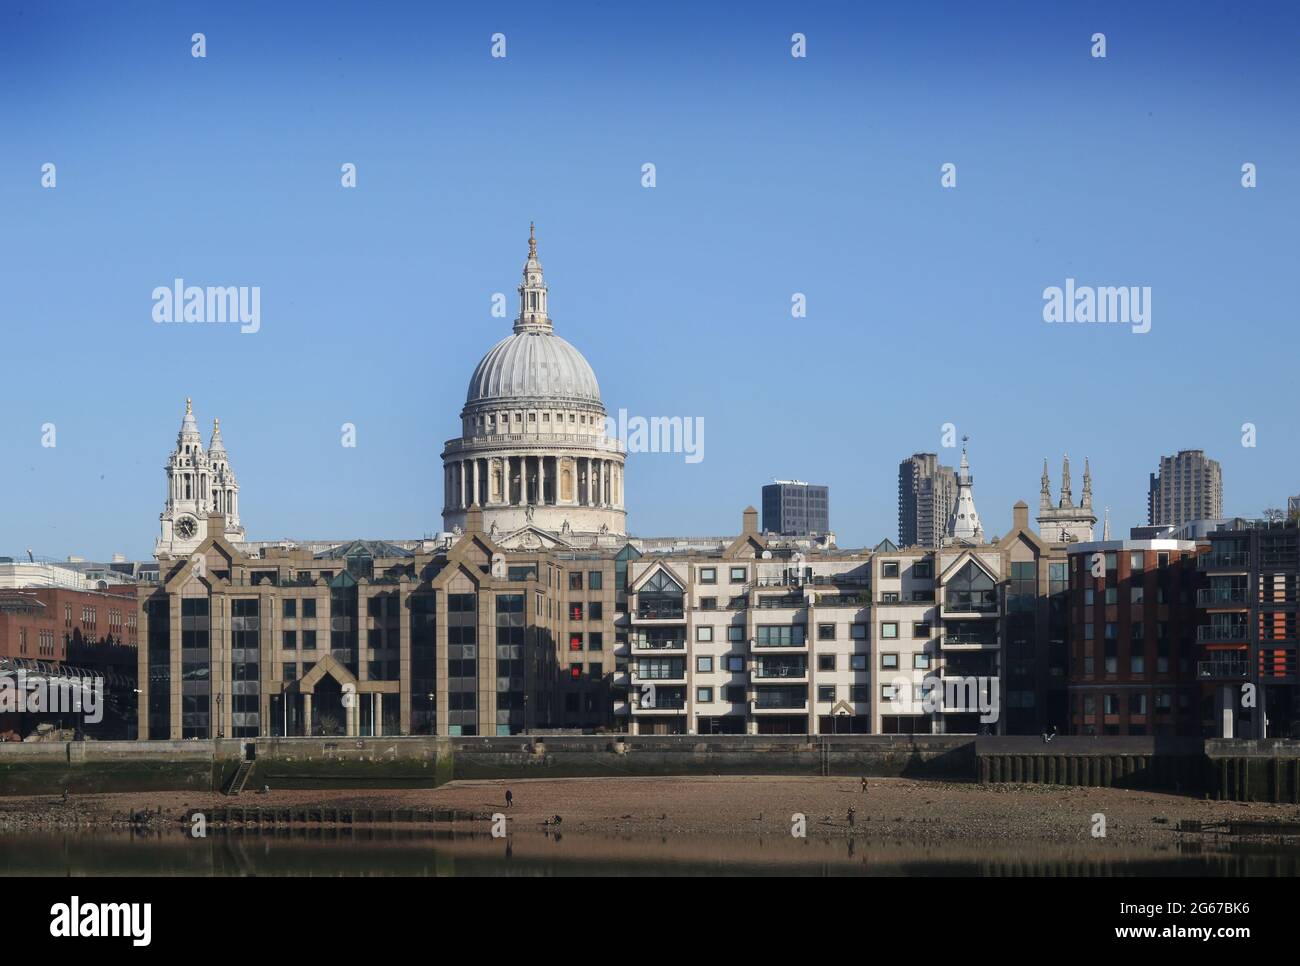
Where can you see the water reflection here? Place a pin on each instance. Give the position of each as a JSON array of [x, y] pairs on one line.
[[409, 852]]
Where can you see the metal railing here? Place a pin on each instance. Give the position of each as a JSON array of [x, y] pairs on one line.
[[1221, 669], [1223, 559], [1220, 632], [1209, 596]]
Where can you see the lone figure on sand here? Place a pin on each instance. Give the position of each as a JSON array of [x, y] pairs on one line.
[[864, 784], [851, 814], [510, 799]]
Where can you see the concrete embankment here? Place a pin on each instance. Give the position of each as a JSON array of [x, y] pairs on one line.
[[1239, 770]]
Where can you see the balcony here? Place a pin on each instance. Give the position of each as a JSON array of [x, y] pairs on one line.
[[965, 640], [778, 707], [1221, 670], [843, 600], [658, 645], [759, 647], [962, 609], [672, 678], [1222, 633], [1224, 560], [647, 611], [773, 601], [676, 709], [779, 673], [674, 704], [1221, 597]]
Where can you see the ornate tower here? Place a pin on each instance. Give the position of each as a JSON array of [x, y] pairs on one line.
[[198, 483], [964, 524], [1065, 522], [225, 488]]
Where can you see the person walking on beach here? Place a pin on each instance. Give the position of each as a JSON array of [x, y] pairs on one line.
[[851, 814], [864, 784], [510, 799]]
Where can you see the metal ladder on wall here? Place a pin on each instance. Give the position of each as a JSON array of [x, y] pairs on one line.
[[241, 777]]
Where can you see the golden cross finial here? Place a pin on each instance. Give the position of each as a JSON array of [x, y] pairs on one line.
[[532, 241], [189, 408]]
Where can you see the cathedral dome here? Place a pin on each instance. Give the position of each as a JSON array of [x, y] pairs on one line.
[[536, 366]]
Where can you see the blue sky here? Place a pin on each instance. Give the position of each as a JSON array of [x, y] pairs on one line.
[[775, 175]]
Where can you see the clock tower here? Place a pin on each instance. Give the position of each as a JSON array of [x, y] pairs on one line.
[[199, 483]]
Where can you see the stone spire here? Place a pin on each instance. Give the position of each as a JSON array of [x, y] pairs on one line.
[[1067, 499], [1105, 527], [189, 429], [216, 446], [1087, 485], [225, 488], [1045, 493], [532, 292], [965, 521]]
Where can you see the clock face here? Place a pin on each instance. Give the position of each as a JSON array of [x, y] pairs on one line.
[[186, 527]]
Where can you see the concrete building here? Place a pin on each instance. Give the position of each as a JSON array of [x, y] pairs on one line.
[[1065, 522], [370, 639], [927, 493], [533, 453], [1188, 486], [797, 509], [1133, 639]]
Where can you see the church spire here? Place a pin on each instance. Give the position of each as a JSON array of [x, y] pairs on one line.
[[1045, 493], [216, 444], [1067, 499], [1087, 485], [532, 292]]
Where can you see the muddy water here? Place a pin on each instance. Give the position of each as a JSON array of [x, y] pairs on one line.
[[359, 852]]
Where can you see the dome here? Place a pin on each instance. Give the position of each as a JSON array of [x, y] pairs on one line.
[[536, 366]]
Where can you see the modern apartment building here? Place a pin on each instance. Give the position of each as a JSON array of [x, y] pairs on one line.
[[763, 639], [1133, 642], [1188, 486], [793, 508], [1247, 635], [927, 493]]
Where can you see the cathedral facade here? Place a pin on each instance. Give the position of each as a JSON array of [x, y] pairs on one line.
[[533, 454]]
